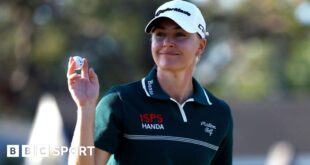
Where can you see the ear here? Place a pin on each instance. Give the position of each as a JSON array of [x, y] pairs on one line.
[[201, 46]]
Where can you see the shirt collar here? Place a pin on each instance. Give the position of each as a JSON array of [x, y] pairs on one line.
[[152, 89], [200, 94], [151, 86]]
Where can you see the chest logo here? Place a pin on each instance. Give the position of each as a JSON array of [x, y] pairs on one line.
[[209, 128], [152, 121]]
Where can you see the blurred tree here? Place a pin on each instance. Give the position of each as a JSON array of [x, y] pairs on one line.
[[263, 36], [267, 45]]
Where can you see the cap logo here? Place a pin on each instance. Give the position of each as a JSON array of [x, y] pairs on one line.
[[202, 29], [172, 9]]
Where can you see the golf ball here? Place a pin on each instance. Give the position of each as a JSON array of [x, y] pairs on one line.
[[78, 62]]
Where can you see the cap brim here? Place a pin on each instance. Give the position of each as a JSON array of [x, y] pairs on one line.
[[150, 25], [178, 21]]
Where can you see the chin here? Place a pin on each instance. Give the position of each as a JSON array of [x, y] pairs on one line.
[[168, 66]]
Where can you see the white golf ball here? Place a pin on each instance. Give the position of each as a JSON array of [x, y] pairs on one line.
[[78, 62]]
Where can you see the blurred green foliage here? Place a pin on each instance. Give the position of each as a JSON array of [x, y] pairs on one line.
[[269, 48]]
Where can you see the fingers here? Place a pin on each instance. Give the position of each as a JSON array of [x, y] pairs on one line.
[[71, 67], [93, 78], [84, 71], [72, 78]]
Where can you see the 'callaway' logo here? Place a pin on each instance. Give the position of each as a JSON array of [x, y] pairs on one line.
[[152, 121], [209, 128]]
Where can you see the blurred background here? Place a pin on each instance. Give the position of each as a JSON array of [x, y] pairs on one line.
[[257, 59]]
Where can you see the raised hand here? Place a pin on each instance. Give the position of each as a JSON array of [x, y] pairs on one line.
[[84, 87]]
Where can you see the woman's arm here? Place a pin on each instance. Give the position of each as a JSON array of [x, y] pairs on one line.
[[84, 89]]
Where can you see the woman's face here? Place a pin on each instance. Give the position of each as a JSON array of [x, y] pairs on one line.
[[173, 48]]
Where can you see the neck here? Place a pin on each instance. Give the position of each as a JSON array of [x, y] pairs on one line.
[[177, 85]]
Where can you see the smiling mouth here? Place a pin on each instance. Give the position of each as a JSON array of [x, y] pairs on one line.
[[168, 53]]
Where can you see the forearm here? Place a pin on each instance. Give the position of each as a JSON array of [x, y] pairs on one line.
[[83, 137]]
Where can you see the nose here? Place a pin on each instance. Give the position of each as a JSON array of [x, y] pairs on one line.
[[168, 41]]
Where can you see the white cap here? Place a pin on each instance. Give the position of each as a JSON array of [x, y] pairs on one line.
[[185, 14]]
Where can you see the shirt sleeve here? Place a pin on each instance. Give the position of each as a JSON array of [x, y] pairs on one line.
[[108, 125], [224, 154]]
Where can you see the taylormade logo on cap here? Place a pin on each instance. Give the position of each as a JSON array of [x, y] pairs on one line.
[[184, 13], [172, 9]]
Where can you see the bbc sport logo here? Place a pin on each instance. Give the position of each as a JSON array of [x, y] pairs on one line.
[[15, 151]]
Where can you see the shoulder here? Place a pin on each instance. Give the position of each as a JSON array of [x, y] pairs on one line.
[[219, 104], [113, 100], [128, 87], [222, 110], [118, 97], [123, 90]]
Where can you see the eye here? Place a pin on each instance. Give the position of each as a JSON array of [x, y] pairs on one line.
[[180, 34], [159, 34]]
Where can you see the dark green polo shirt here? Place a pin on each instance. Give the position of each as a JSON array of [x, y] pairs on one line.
[[141, 125]]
